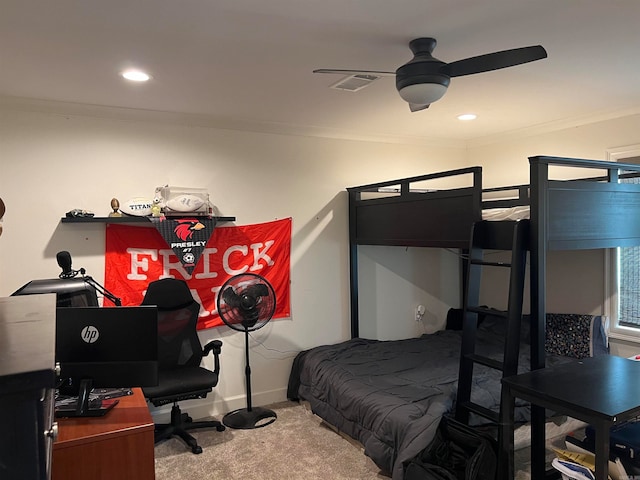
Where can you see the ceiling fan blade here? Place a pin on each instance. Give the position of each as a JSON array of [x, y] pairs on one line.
[[355, 72], [495, 61], [416, 107]]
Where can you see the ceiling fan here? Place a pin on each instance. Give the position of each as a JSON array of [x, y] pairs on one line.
[[424, 79]]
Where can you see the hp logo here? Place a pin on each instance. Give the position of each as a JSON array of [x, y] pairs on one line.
[[89, 334]]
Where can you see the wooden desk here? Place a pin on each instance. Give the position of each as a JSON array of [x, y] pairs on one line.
[[117, 446], [602, 391]]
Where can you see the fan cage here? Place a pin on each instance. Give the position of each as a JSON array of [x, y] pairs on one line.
[[250, 312]]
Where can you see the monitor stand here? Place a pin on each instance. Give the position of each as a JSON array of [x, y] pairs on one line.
[[83, 407]]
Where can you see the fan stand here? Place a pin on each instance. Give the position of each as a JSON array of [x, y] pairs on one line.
[[250, 417]]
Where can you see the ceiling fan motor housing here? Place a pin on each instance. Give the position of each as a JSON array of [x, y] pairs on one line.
[[422, 69], [417, 84]]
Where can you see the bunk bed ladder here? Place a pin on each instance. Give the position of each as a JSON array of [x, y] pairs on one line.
[[491, 235]]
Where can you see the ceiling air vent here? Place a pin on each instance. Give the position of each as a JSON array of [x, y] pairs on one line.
[[353, 83]]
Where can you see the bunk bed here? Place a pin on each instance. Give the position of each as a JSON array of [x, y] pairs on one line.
[[582, 213]]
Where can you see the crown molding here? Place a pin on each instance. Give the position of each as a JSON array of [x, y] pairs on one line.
[[554, 126], [54, 107]]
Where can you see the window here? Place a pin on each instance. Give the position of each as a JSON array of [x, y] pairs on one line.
[[628, 266], [624, 270]]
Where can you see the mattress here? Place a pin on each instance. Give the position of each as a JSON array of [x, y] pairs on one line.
[[511, 213]]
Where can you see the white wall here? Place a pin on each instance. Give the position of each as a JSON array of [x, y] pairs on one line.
[[394, 280], [54, 162]]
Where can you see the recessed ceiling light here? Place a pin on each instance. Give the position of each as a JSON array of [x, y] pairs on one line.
[[136, 75], [467, 116]]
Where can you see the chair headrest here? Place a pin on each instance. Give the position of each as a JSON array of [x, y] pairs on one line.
[[168, 294]]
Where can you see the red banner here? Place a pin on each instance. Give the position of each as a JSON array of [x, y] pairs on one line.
[[136, 256]]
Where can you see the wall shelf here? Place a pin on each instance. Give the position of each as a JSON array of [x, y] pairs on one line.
[[125, 219]]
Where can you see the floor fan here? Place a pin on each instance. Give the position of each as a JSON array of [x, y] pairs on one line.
[[246, 303]]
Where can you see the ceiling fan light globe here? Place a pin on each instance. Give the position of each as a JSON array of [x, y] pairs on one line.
[[423, 93]]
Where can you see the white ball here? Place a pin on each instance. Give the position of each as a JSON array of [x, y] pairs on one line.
[[138, 206], [185, 203]]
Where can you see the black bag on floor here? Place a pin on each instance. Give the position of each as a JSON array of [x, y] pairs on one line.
[[457, 452], [624, 443]]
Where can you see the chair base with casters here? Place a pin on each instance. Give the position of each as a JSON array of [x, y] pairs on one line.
[[179, 426], [194, 383]]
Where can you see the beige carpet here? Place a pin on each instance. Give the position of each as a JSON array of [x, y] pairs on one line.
[[297, 446]]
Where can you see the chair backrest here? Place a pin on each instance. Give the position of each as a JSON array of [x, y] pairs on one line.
[[178, 341]]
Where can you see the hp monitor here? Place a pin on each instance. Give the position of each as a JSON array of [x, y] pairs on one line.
[[107, 347]]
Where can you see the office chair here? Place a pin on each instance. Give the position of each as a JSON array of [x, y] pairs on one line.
[[180, 376]]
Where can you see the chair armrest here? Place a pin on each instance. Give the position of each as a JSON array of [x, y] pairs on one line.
[[214, 346]]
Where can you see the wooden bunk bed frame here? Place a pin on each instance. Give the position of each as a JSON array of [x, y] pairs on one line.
[[588, 213], [584, 213]]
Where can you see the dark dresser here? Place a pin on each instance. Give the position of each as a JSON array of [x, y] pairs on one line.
[[27, 381]]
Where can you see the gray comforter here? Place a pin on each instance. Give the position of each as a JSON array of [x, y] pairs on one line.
[[390, 395]]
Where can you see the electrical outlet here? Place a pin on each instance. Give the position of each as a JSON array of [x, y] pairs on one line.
[[420, 310]]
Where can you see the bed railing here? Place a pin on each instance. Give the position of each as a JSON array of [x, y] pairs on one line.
[[404, 213], [589, 213], [506, 197]]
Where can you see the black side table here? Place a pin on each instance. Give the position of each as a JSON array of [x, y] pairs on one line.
[[602, 391]]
